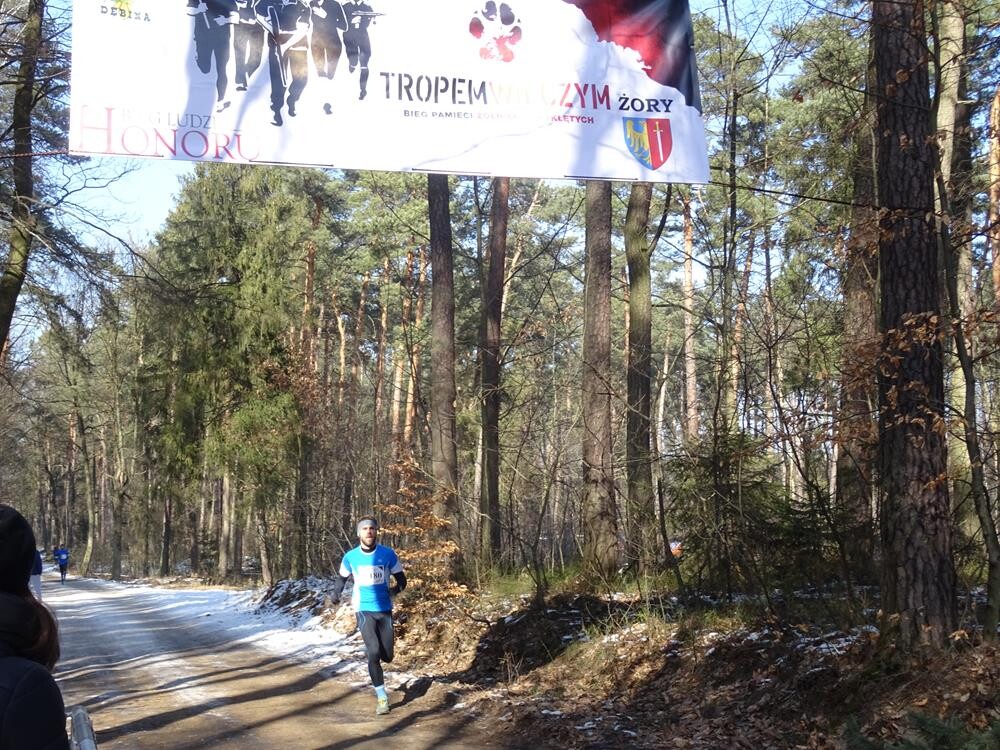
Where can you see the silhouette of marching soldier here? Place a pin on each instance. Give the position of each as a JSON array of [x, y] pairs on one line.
[[287, 22], [356, 39], [248, 43], [212, 39], [328, 21]]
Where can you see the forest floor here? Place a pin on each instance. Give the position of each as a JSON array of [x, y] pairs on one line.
[[584, 672]]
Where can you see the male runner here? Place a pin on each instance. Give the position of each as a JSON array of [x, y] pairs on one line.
[[62, 557], [371, 565]]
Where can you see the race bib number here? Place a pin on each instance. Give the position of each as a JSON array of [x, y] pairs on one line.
[[370, 575]]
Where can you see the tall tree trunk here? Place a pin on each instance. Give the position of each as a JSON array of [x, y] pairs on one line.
[[69, 493], [956, 234], [264, 547], [147, 517], [600, 523], [993, 210], [341, 351], [305, 444], [444, 445], [378, 418], [948, 27], [774, 388], [237, 550], [638, 459], [415, 354], [400, 359], [167, 534], [23, 222], [736, 377], [725, 406], [856, 424], [350, 451], [690, 418], [50, 530], [300, 505], [90, 492], [226, 529], [980, 495], [490, 373], [118, 522], [194, 538], [918, 575]]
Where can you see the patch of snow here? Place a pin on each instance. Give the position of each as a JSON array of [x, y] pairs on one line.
[[240, 615]]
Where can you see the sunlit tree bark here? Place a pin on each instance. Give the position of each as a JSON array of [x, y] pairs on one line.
[[918, 576], [600, 532], [640, 546]]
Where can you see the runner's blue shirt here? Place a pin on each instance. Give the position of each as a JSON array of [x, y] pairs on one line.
[[371, 572]]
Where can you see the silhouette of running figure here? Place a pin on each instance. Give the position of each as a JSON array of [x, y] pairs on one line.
[[248, 43], [356, 40], [328, 21], [213, 21], [287, 51]]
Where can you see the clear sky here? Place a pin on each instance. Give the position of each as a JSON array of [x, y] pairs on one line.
[[137, 204]]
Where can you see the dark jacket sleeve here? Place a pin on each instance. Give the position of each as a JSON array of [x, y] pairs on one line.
[[35, 718], [338, 586], [400, 583]]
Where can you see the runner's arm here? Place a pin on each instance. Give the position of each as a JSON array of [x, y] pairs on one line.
[[338, 585], [399, 583]]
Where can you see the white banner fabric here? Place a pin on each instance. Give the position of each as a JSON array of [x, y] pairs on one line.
[[531, 88]]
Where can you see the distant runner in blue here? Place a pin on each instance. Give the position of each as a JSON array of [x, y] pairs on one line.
[[62, 557], [371, 565]]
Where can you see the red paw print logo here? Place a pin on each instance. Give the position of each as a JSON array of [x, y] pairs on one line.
[[497, 29]]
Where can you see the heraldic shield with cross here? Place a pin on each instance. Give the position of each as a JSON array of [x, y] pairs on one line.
[[649, 140]]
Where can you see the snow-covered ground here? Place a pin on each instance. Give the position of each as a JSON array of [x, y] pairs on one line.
[[292, 630]]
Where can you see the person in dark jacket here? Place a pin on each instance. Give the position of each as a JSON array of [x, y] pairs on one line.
[[36, 576], [32, 716]]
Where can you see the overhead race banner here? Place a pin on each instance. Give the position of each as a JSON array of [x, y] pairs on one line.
[[531, 88]]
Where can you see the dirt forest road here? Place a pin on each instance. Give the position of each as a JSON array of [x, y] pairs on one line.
[[150, 679]]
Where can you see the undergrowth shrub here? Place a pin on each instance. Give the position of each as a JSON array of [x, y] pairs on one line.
[[932, 734]]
